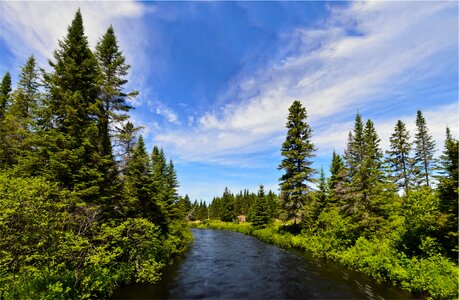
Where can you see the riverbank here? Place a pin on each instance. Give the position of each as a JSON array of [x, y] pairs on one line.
[[433, 277]]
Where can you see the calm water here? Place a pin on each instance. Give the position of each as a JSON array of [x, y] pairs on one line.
[[230, 265]]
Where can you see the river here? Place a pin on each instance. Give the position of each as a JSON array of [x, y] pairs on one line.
[[231, 265]]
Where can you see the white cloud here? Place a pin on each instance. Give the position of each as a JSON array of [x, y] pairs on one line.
[[437, 119], [163, 110], [37, 26], [34, 27], [333, 73]]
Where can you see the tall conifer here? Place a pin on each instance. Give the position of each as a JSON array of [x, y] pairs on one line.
[[298, 150], [424, 149], [75, 161], [399, 156]]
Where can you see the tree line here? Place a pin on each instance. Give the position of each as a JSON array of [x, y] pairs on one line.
[[84, 206], [404, 192], [371, 190]]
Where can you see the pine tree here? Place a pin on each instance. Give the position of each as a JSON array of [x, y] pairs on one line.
[[448, 193], [227, 209], [171, 194], [448, 179], [75, 161], [5, 94], [297, 151], [424, 148], [5, 131], [159, 174], [354, 156], [114, 99], [126, 142], [337, 178], [20, 118], [399, 156], [321, 195], [260, 215]]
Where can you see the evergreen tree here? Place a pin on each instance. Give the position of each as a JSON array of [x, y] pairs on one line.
[[159, 174], [171, 194], [448, 179], [19, 120], [321, 199], [354, 156], [448, 191], [75, 161], [399, 156], [355, 148], [260, 215], [297, 151], [126, 142], [424, 148], [337, 178], [5, 94], [227, 206], [5, 99], [367, 192], [114, 104]]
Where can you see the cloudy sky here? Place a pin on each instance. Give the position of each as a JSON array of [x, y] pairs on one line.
[[216, 78]]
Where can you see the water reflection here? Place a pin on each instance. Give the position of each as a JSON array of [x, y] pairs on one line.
[[230, 265]]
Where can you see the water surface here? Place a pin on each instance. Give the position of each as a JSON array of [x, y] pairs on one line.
[[231, 265]]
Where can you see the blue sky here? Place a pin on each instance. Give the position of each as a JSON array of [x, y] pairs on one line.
[[216, 78]]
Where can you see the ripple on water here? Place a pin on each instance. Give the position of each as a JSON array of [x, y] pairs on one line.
[[224, 264]]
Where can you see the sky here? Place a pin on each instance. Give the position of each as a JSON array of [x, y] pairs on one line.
[[216, 78]]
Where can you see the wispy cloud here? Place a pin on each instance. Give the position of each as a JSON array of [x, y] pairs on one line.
[[365, 56], [34, 27], [437, 119], [163, 110]]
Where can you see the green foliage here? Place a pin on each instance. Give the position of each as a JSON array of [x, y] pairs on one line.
[[260, 215], [399, 157], [297, 151], [424, 149], [67, 230]]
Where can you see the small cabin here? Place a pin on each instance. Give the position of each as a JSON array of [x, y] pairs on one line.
[[241, 218]]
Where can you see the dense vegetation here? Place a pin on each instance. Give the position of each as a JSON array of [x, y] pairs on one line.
[[393, 216], [83, 206]]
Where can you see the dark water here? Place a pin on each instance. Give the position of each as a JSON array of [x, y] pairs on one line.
[[230, 265]]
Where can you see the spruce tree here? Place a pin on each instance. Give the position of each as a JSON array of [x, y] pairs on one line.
[[298, 150], [113, 70], [75, 161], [139, 183], [424, 149], [399, 156], [448, 193], [126, 142], [5, 131], [448, 179], [227, 206], [260, 215], [5, 94], [171, 194], [337, 178], [354, 156], [321, 194], [20, 119]]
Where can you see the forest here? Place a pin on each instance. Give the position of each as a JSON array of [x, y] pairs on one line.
[[392, 215], [84, 208]]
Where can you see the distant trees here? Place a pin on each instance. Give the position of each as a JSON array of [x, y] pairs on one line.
[[297, 151], [261, 212]]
